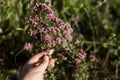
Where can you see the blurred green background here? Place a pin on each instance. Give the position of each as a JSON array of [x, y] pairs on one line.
[[96, 22]]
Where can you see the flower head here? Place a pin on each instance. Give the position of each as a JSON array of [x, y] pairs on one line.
[[77, 41], [77, 61], [51, 16], [28, 46], [48, 41], [82, 55], [93, 58], [58, 40]]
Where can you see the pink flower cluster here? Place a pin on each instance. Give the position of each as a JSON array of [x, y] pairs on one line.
[[52, 35], [28, 46], [82, 55], [93, 58], [77, 62]]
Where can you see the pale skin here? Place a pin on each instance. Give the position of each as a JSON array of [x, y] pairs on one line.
[[35, 68]]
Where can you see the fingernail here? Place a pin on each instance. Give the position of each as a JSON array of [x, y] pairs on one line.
[[51, 52], [45, 58]]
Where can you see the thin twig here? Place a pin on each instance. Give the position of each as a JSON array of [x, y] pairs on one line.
[[92, 27], [117, 70], [107, 58], [17, 55]]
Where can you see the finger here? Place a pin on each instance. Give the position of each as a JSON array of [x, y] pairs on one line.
[[37, 57], [51, 63], [50, 52], [42, 67]]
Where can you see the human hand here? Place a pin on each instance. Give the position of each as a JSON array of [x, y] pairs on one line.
[[35, 68]]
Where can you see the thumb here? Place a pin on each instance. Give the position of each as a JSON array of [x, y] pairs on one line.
[[42, 67]]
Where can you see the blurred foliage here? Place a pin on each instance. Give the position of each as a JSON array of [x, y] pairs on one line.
[[95, 22]]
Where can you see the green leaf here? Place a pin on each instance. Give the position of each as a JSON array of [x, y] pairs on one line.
[[9, 15]]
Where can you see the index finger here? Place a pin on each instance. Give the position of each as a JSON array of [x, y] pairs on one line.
[[37, 57]]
